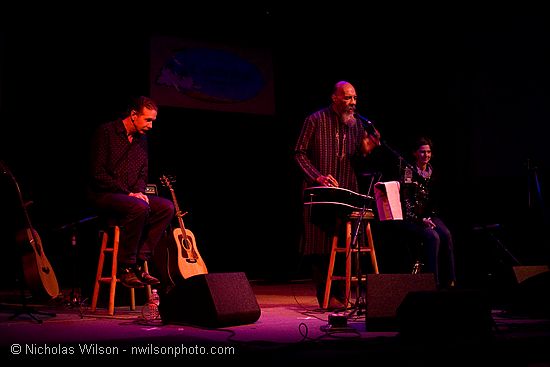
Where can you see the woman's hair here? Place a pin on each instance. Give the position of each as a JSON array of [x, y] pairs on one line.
[[421, 140]]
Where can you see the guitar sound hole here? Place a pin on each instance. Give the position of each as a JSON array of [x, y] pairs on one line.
[[186, 244]]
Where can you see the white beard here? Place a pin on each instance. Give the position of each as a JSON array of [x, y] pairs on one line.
[[348, 118]]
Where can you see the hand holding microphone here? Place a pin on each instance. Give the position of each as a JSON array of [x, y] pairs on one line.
[[372, 136]]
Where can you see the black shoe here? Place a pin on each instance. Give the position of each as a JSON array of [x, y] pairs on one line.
[[145, 277], [129, 279]]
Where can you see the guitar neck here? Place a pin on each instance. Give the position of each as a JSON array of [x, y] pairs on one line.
[[178, 211], [30, 232]]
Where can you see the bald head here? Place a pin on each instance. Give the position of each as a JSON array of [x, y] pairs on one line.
[[341, 87], [344, 100]]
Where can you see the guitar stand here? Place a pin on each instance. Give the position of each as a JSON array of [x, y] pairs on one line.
[[24, 308], [29, 311]]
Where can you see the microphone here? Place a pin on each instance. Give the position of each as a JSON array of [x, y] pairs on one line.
[[367, 124]]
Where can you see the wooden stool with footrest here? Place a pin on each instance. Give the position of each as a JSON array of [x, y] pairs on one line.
[[350, 252], [109, 246]]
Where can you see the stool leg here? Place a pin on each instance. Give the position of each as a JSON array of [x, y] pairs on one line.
[[330, 271], [373, 260], [132, 299], [114, 266], [148, 286], [104, 239], [348, 263]]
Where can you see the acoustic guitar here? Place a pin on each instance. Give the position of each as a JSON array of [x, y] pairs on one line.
[[189, 261], [38, 273]]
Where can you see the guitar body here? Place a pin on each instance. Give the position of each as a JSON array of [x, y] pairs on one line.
[[39, 275], [190, 262], [37, 271]]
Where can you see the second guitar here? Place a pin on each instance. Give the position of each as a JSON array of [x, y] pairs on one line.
[[189, 260]]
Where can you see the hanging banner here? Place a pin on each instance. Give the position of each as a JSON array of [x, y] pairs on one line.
[[200, 75]]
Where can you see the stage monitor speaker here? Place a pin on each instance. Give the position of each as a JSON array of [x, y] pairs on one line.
[[212, 300], [446, 315], [530, 294], [525, 272], [385, 292]]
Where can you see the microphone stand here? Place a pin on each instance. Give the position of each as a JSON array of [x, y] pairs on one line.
[[404, 165], [372, 130]]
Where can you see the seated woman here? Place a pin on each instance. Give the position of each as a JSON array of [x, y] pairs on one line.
[[421, 221]]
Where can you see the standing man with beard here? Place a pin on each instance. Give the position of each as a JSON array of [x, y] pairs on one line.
[[331, 144]]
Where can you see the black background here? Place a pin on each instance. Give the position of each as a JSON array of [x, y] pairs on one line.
[[475, 81]]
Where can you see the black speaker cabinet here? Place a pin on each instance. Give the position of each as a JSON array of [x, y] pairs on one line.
[[212, 300], [530, 293], [385, 292], [523, 273], [445, 315]]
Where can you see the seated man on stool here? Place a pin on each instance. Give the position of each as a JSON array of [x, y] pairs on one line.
[[119, 174]]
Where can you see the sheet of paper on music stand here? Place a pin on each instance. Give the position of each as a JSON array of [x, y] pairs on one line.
[[388, 200]]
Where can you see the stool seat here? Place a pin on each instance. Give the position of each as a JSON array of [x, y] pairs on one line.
[[109, 247], [350, 252]]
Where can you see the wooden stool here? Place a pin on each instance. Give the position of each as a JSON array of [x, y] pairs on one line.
[[112, 248], [367, 217]]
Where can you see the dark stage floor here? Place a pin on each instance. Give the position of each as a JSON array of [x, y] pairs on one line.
[[290, 328]]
